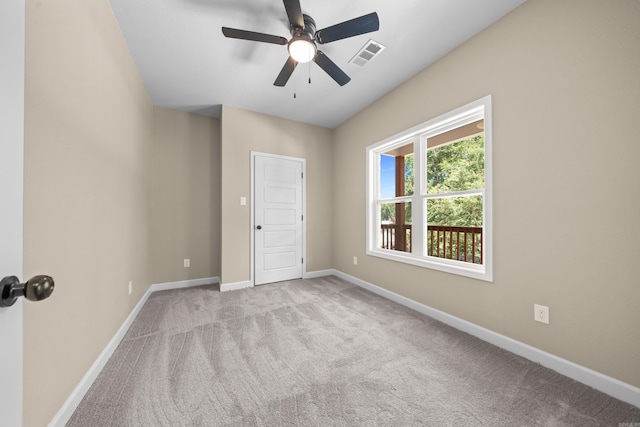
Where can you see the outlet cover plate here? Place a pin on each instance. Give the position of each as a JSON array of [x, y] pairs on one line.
[[541, 313]]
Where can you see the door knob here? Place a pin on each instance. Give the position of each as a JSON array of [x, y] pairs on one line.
[[36, 289], [259, 227]]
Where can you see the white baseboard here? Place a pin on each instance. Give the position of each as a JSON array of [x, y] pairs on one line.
[[318, 273], [224, 287], [72, 402], [604, 383], [184, 284]]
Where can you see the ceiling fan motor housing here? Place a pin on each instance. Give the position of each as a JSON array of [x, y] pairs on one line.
[[309, 28]]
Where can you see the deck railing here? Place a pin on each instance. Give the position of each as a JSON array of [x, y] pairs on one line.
[[443, 241], [389, 232]]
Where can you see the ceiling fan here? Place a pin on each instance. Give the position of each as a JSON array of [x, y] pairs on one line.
[[304, 39]]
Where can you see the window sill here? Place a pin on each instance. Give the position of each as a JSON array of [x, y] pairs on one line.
[[474, 271]]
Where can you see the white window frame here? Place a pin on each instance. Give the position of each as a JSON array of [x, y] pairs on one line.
[[480, 109]]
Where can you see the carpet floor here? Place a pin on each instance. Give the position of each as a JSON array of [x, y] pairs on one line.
[[322, 352]]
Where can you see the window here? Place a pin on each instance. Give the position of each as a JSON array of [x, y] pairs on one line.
[[429, 198]]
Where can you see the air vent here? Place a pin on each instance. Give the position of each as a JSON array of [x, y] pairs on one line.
[[370, 50]]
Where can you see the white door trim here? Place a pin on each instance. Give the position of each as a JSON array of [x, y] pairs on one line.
[[254, 154], [12, 52]]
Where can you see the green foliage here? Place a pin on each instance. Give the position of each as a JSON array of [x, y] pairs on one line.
[[455, 211], [408, 175], [456, 167], [388, 212], [408, 183]]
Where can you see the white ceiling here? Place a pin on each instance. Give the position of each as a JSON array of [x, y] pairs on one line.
[[187, 64]]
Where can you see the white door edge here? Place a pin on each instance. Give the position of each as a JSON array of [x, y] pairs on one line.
[[12, 52]]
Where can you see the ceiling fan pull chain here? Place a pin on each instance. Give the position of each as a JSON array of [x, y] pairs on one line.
[[309, 72]]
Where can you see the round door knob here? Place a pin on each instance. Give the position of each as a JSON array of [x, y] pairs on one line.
[[36, 289], [259, 227]]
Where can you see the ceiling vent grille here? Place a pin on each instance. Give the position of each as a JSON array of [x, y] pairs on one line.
[[370, 50]]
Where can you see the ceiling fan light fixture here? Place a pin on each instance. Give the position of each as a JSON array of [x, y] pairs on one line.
[[302, 49]]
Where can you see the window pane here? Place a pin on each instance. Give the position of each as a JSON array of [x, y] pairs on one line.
[[458, 211], [394, 184], [387, 176], [395, 235], [455, 166], [454, 228]]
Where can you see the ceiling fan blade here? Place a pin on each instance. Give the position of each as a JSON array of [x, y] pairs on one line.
[[354, 27], [294, 12], [331, 68], [253, 36], [286, 72]]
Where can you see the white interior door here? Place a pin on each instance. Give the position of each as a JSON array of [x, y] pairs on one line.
[[12, 27], [278, 217]]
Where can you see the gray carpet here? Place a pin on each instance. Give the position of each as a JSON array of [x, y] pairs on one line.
[[322, 352]]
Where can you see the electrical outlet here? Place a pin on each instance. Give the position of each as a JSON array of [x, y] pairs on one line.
[[355, 260], [130, 287], [541, 313], [187, 262]]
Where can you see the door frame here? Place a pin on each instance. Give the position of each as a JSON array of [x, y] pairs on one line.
[[12, 50], [255, 154]]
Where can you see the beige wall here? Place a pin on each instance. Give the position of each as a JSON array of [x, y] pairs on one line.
[[243, 132], [564, 80], [87, 134], [185, 196]]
